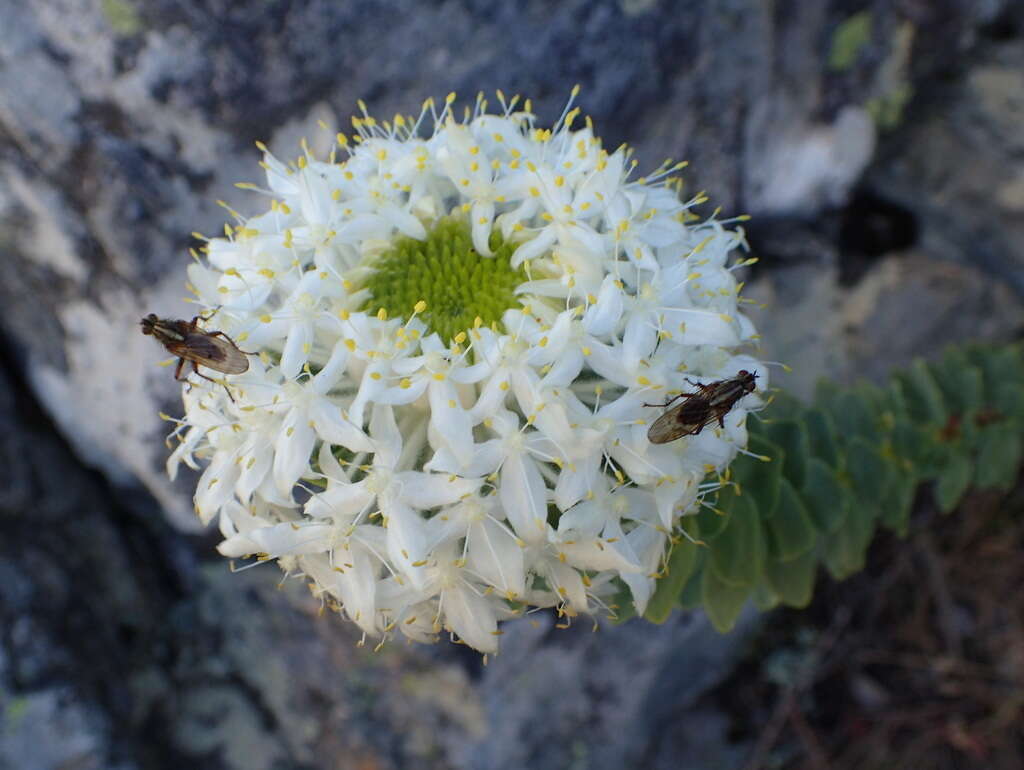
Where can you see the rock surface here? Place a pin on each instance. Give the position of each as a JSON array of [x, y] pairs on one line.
[[124, 641]]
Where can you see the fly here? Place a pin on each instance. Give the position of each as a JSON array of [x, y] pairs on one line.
[[711, 402], [184, 339]]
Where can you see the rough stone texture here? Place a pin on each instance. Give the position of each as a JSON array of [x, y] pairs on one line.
[[908, 305], [124, 642], [961, 169]]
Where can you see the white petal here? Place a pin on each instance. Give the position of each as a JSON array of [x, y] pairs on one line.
[[534, 248], [292, 451], [429, 490], [663, 231], [587, 519], [399, 396], [450, 420], [291, 539], [333, 370], [362, 227], [495, 556], [574, 484], [690, 326], [255, 462], [597, 554], [387, 441], [610, 363], [639, 339], [569, 586], [472, 618], [340, 501], [491, 397], [485, 460], [216, 485], [406, 223], [357, 584], [407, 541], [331, 426], [523, 497], [370, 388], [565, 369], [642, 588], [296, 349], [482, 217]]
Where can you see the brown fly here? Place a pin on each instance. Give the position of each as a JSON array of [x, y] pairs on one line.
[[711, 402], [199, 347]]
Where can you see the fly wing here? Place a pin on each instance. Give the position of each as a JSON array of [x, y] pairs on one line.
[[679, 422], [212, 352]]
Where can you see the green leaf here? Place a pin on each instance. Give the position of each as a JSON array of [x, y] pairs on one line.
[[828, 499], [710, 522], [923, 395], [793, 580], [911, 443], [681, 565], [790, 532], [622, 605], [785, 407], [825, 392], [759, 478], [853, 416], [737, 553], [1009, 398], [692, 594], [764, 597], [999, 366], [791, 436], [874, 398], [999, 459], [722, 602], [962, 383], [897, 502], [821, 432], [953, 482], [868, 471], [845, 549]]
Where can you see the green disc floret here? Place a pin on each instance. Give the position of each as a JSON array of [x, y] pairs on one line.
[[457, 283]]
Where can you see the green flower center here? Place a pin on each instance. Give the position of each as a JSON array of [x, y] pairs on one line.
[[458, 284]]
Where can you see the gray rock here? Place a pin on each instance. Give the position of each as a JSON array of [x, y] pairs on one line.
[[126, 642], [958, 164]]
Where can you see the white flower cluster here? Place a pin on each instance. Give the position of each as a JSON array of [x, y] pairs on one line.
[[459, 335]]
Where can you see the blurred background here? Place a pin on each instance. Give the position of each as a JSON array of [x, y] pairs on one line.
[[878, 147]]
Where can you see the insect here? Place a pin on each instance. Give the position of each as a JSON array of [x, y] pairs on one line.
[[184, 339], [711, 402]]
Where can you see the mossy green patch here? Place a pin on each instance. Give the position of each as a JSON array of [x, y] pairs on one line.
[[849, 39], [122, 17]]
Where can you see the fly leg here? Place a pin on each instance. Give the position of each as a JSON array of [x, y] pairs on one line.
[[674, 398], [222, 334], [704, 389], [195, 368]]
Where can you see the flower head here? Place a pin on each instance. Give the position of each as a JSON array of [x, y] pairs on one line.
[[461, 331]]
